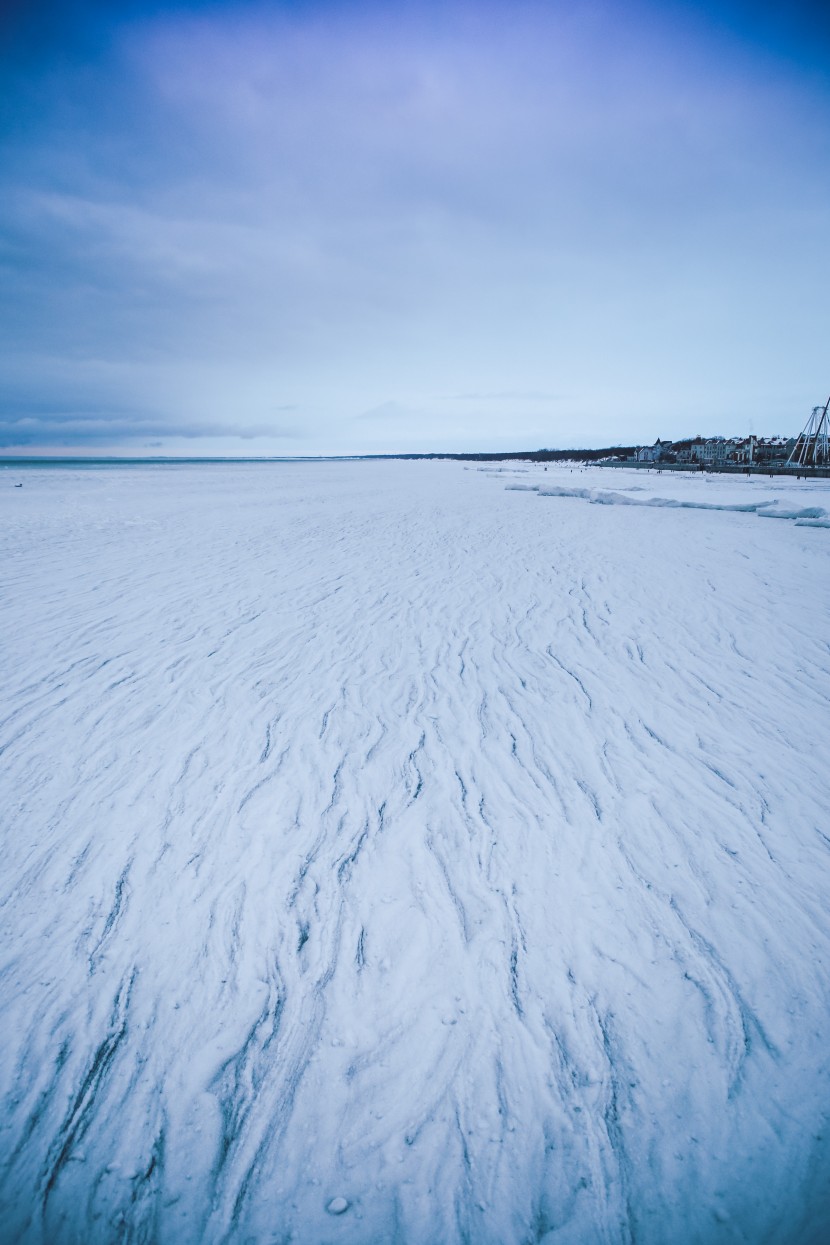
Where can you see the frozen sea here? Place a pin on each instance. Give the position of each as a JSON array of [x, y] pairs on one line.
[[410, 852]]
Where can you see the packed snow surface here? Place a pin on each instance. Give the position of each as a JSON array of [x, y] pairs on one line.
[[391, 853]]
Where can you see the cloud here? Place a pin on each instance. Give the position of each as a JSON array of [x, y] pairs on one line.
[[508, 395], [205, 209], [51, 416], [386, 411], [65, 426]]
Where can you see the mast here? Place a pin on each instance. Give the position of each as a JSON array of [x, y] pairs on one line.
[[812, 448]]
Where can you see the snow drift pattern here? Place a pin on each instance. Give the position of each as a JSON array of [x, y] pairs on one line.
[[388, 858]]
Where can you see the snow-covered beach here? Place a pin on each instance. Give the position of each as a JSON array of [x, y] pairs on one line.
[[391, 853]]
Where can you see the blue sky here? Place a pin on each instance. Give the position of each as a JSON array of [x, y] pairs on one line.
[[335, 228]]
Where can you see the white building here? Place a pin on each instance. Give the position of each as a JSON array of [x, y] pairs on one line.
[[653, 453]]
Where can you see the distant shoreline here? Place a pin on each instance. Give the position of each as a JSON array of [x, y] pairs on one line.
[[467, 456], [598, 458]]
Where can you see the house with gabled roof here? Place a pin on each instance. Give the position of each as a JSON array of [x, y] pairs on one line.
[[653, 453]]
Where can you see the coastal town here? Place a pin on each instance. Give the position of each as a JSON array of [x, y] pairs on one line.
[[718, 451], [809, 451]]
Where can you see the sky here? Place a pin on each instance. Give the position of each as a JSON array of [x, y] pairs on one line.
[[318, 227]]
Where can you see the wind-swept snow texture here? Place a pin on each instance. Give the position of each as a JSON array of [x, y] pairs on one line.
[[390, 855]]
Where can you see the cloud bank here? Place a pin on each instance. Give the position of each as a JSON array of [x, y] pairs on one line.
[[523, 225]]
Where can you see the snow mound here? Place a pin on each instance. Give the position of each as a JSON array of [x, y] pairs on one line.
[[768, 509]]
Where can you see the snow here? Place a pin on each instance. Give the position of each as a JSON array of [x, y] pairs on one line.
[[748, 494], [393, 854]]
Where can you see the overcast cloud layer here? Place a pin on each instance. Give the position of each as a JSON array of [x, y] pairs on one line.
[[337, 228]]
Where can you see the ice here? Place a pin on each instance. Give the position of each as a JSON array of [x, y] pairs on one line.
[[378, 837], [693, 492]]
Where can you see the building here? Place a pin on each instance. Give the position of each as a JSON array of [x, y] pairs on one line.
[[653, 453], [715, 450], [688, 451], [763, 451]]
